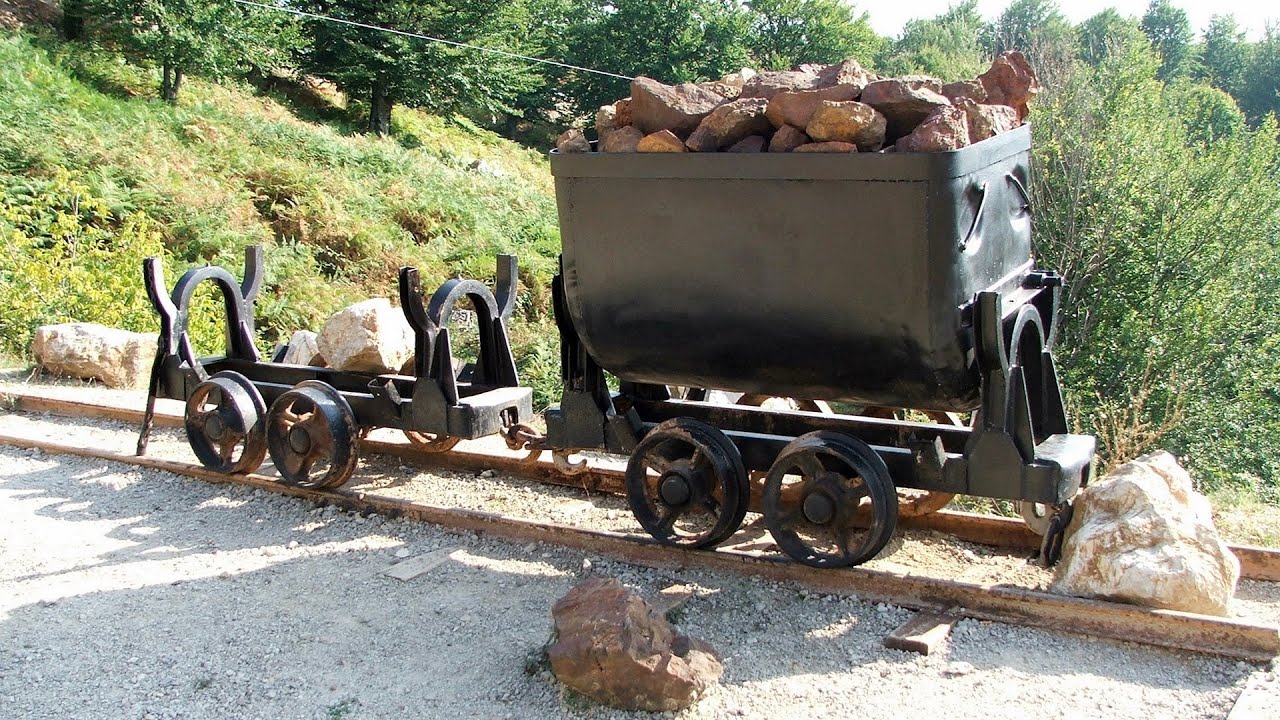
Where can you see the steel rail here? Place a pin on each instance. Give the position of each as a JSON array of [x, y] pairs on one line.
[[1256, 563], [1000, 603]]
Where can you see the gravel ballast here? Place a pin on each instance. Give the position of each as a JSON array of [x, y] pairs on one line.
[[128, 593]]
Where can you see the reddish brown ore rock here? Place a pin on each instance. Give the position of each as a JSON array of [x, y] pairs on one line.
[[622, 140], [767, 84], [787, 138], [661, 141], [655, 106], [1010, 81], [795, 107], [971, 89], [904, 102], [749, 144], [614, 648], [947, 128], [622, 112], [851, 122], [730, 123], [847, 73], [987, 120], [572, 141], [828, 147]]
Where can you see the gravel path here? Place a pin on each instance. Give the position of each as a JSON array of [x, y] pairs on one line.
[[127, 593]]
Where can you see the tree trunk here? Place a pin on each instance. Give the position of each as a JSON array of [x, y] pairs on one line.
[[170, 82], [379, 109], [72, 19]]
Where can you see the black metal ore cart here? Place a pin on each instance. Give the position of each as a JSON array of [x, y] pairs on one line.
[[239, 407], [879, 280]]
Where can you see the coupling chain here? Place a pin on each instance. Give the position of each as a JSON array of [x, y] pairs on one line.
[[523, 436]]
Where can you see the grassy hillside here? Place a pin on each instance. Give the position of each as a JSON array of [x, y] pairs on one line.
[[96, 174]]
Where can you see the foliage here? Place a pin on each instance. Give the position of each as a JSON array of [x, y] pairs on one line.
[[1170, 32], [946, 46], [226, 169], [1164, 228], [669, 40], [1225, 55], [1108, 35], [1038, 29], [1261, 93], [386, 69], [64, 257], [786, 33], [211, 37]]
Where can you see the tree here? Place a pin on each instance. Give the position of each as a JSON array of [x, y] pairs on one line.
[[212, 38], [786, 33], [1108, 34], [1225, 55], [671, 41], [1261, 92], [386, 68], [1165, 235], [1170, 33], [1038, 29], [946, 46]]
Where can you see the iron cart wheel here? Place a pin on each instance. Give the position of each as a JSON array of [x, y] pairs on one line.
[[686, 484], [311, 433], [813, 498], [224, 414], [431, 442]]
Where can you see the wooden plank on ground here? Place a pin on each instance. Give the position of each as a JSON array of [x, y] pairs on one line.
[[923, 633], [420, 564], [1260, 699]]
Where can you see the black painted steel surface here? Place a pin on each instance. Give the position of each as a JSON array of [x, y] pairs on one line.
[[839, 277]]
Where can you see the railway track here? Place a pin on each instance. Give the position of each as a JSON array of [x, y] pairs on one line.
[[1002, 603]]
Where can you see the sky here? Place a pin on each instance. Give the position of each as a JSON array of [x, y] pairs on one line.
[[888, 18]]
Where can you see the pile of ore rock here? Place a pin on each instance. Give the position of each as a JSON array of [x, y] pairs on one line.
[[814, 108]]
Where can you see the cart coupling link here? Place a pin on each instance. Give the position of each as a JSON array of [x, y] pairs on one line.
[[522, 436]]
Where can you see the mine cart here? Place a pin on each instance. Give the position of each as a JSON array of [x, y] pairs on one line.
[[873, 282], [239, 407]]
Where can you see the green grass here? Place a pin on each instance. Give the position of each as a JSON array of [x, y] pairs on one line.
[[230, 166]]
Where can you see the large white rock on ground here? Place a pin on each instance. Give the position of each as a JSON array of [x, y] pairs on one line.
[[369, 336], [1142, 535], [304, 349], [118, 358], [613, 647]]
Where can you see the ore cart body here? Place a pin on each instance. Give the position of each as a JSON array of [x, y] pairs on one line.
[[882, 280]]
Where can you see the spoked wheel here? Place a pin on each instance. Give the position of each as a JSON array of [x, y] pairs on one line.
[[431, 442], [686, 484], [224, 422], [812, 496], [311, 433]]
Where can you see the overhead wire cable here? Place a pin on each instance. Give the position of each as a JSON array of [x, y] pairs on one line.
[[420, 36]]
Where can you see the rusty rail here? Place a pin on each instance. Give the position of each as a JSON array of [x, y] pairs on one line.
[[1256, 563]]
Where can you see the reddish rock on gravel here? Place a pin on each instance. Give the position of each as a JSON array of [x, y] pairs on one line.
[[614, 648]]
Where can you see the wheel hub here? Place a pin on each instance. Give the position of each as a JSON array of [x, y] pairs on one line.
[[676, 487], [819, 508], [299, 440], [214, 428]]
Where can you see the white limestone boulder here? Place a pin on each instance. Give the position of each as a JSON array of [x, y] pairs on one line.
[[118, 358], [369, 336], [1142, 535], [304, 349]]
